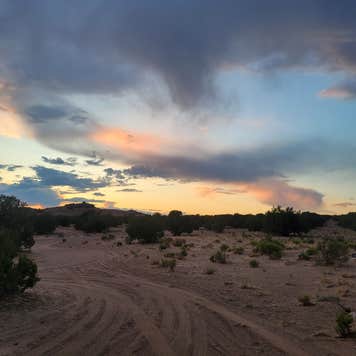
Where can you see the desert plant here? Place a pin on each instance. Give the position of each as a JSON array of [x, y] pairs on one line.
[[343, 324], [44, 224], [107, 237], [307, 254], [178, 242], [146, 229], [238, 250], [332, 251], [254, 263], [168, 263], [305, 301], [164, 243], [224, 247], [218, 257], [183, 252], [270, 247]]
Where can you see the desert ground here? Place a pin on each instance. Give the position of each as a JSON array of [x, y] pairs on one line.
[[100, 297]]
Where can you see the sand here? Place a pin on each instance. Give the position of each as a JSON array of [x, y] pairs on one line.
[[97, 298]]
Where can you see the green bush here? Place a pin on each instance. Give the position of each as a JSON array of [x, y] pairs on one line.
[[333, 251], [92, 222], [145, 229], [224, 247], [270, 247], [305, 301], [178, 242], [307, 254], [343, 324], [254, 263], [238, 250], [16, 275], [218, 257], [168, 263], [44, 224]]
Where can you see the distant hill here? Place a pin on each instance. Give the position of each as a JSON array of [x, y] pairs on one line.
[[80, 208]]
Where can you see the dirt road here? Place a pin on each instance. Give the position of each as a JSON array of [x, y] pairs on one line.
[[88, 303]]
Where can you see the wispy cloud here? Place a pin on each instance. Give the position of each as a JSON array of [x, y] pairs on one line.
[[71, 161]]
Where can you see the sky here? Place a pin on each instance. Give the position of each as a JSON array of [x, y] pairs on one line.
[[204, 106]]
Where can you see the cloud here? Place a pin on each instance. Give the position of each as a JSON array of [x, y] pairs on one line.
[[118, 46], [31, 191], [10, 167], [71, 161], [52, 178], [206, 191], [98, 194], [346, 90], [279, 192], [95, 162], [83, 199], [129, 190], [345, 204]]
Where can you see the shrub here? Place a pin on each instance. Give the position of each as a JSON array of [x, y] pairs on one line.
[[343, 324], [16, 273], [307, 254], [270, 247], [332, 251], [218, 257], [254, 264], [305, 301], [282, 221], [224, 247], [92, 222], [183, 252], [168, 263], [145, 229], [238, 250], [178, 242], [107, 237], [16, 277], [44, 224], [304, 256]]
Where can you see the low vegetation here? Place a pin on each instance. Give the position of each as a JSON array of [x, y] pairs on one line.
[[332, 251], [271, 247], [17, 271], [343, 324], [305, 301], [218, 257], [254, 263], [145, 229], [168, 263]]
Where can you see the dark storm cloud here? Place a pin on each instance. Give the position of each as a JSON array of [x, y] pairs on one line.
[[249, 165], [42, 113], [53, 177], [32, 192], [71, 161], [106, 47]]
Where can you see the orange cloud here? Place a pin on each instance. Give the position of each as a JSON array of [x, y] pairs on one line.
[[279, 192], [135, 143]]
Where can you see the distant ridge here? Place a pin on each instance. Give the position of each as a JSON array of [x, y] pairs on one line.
[[75, 209]]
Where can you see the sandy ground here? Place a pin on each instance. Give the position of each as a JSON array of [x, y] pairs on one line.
[[97, 298]]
